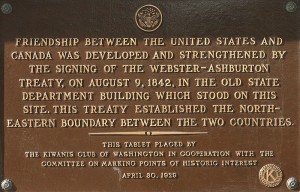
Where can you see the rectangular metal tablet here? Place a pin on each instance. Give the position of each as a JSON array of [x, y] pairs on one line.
[[150, 95]]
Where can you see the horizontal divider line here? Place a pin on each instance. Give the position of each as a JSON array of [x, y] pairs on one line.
[[147, 133]]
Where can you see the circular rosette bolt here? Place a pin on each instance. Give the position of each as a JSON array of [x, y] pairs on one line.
[[6, 8], [291, 6], [292, 183], [6, 184]]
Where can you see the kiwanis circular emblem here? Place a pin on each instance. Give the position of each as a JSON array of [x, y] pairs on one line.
[[270, 175], [148, 18]]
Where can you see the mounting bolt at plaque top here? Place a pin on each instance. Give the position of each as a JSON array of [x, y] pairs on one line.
[[291, 6], [6, 8], [6, 184], [292, 183]]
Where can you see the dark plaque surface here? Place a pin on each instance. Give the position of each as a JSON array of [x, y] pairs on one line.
[[150, 95]]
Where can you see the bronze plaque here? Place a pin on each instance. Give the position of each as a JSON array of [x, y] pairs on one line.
[[150, 95]]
